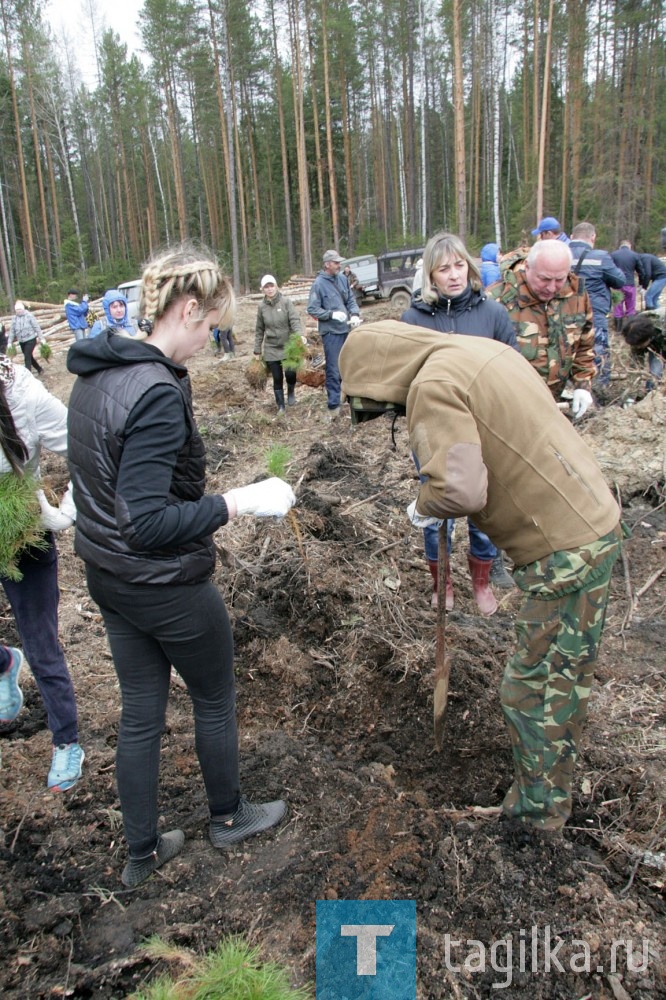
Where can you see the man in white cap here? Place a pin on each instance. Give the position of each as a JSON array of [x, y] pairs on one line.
[[334, 305]]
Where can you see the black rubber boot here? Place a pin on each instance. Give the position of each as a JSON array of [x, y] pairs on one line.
[[279, 399], [499, 575], [291, 396]]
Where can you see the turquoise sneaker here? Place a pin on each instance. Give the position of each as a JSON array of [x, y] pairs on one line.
[[11, 696], [66, 767]]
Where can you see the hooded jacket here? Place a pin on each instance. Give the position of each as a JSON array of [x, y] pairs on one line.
[[488, 437], [471, 313], [123, 325], [137, 462], [490, 269]]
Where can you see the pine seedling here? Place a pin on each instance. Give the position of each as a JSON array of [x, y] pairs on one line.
[[11, 351], [20, 521], [294, 353], [233, 971], [45, 351], [278, 457]]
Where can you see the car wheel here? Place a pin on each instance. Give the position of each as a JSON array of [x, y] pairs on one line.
[[400, 301]]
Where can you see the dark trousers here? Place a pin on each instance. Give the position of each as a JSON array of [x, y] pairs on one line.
[[150, 628], [333, 344], [28, 346], [276, 370], [34, 601]]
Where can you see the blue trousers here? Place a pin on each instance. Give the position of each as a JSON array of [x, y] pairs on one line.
[[151, 627], [653, 293], [333, 344], [34, 602], [479, 544]]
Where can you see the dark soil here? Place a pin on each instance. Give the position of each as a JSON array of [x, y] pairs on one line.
[[334, 657]]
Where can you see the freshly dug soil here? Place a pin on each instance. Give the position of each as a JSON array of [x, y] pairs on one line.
[[335, 643]]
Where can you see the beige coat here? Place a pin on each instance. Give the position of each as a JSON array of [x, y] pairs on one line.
[[487, 435]]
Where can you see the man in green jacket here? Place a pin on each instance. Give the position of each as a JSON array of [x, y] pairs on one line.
[[491, 444]]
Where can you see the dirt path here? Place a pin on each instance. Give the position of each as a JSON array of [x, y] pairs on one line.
[[334, 660]]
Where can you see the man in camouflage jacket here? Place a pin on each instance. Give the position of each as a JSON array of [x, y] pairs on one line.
[[551, 315]]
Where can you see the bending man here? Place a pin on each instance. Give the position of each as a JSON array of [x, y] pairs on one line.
[[492, 445]]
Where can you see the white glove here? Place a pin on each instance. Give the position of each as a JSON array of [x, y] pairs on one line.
[[339, 315], [269, 498], [581, 402], [67, 503], [85, 297], [53, 519], [304, 340], [420, 520], [354, 321]]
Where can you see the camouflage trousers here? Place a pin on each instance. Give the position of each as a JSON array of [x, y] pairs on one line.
[[547, 681]]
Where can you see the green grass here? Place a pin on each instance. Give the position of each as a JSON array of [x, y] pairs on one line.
[[20, 521], [233, 971]]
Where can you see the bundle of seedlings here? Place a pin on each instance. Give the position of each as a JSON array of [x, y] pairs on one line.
[[45, 351], [295, 353], [20, 521], [256, 373]]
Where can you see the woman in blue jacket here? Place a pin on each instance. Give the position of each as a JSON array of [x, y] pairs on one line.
[[117, 319], [452, 300]]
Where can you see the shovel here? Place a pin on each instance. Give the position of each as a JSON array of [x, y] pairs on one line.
[[442, 658]]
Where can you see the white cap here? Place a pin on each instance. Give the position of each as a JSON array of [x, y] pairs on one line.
[[267, 279], [19, 307]]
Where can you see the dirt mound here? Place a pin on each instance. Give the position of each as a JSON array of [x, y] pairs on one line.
[[334, 656]]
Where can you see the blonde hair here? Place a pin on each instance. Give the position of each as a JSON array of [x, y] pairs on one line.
[[438, 247], [186, 270]]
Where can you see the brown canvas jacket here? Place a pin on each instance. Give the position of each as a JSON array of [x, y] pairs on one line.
[[487, 435]]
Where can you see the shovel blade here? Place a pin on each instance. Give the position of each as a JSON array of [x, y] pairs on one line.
[[441, 697]]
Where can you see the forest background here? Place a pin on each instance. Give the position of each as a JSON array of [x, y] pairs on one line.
[[273, 130]]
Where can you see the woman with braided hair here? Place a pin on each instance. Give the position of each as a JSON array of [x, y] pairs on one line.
[[145, 532]]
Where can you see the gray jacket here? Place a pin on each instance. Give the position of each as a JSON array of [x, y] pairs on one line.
[[24, 327], [331, 293]]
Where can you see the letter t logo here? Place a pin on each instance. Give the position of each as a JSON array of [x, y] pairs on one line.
[[366, 947]]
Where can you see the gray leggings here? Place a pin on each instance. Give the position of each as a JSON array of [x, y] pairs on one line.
[[150, 628]]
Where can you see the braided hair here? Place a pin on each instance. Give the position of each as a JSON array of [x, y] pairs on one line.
[[186, 270]]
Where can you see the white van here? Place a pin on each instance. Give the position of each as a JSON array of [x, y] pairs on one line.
[[130, 290]]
